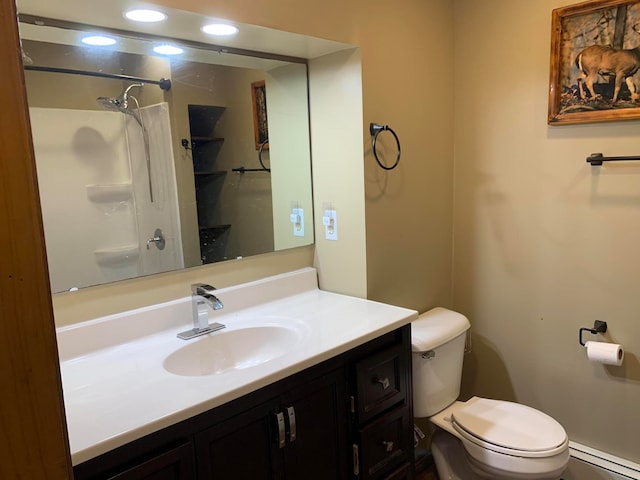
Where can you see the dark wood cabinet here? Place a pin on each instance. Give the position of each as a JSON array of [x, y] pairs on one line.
[[176, 463], [164, 460], [240, 447], [348, 417], [381, 408], [297, 435], [319, 449]]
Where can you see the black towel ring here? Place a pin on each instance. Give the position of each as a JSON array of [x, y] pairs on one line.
[[262, 144], [374, 130]]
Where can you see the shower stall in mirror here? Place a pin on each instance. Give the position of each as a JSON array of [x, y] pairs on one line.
[[99, 230]]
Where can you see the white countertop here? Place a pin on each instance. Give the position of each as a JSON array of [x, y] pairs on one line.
[[116, 388]]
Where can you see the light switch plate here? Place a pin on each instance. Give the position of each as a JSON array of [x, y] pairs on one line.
[[330, 222]]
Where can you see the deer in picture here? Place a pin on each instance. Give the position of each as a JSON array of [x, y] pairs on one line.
[[608, 61]]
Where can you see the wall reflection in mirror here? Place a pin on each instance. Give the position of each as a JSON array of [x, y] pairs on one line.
[[159, 169]]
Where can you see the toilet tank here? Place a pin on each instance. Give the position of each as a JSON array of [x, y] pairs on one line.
[[437, 344]]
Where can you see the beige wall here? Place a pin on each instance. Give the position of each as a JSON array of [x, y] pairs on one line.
[[245, 199], [335, 88], [408, 84], [288, 106], [544, 243]]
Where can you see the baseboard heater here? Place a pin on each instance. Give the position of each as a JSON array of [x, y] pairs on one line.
[[588, 463]]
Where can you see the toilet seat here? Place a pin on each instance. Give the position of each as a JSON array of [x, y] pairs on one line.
[[508, 428]]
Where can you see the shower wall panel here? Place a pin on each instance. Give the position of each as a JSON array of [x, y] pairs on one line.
[[163, 212], [88, 208], [93, 183]]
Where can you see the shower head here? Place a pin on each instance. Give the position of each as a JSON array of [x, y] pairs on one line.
[[115, 104], [121, 103]]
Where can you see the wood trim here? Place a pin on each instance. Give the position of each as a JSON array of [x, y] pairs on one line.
[[33, 438], [260, 126]]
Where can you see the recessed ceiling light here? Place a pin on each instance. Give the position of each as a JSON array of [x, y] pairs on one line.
[[168, 50], [148, 16], [98, 40], [220, 29]]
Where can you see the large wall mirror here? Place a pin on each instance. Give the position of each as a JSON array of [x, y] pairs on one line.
[[154, 159]]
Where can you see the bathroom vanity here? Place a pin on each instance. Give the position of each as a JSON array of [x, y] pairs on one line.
[[303, 384]]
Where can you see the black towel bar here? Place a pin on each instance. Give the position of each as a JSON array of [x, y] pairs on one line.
[[597, 159]]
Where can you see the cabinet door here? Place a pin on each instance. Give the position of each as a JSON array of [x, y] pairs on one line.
[[318, 449], [175, 464], [241, 448]]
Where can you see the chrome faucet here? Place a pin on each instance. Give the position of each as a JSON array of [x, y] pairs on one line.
[[202, 297]]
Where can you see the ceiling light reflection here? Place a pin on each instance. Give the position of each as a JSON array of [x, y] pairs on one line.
[[221, 29]]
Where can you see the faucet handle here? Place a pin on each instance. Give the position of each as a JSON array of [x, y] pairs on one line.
[[204, 291], [158, 239], [201, 289]]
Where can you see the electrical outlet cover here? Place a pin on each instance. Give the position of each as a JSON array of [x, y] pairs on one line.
[[297, 219], [330, 221]]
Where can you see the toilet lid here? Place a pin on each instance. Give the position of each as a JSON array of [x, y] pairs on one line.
[[508, 425]]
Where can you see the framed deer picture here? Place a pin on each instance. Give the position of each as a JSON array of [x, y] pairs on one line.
[[595, 60]]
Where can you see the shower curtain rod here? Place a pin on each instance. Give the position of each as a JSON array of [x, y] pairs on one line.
[[163, 83]]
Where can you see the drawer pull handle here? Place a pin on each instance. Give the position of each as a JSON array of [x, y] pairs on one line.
[[282, 440], [356, 460], [384, 382], [291, 414], [388, 446]]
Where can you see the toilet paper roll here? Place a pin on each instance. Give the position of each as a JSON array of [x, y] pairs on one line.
[[605, 353]]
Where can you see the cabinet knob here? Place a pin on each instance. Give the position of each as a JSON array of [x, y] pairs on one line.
[[384, 382], [388, 446]]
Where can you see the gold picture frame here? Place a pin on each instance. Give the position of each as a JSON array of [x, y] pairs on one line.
[[590, 41], [260, 124]]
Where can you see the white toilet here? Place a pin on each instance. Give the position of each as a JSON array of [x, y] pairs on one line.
[[479, 438]]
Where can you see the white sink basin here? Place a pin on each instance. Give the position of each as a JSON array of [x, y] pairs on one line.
[[229, 350]]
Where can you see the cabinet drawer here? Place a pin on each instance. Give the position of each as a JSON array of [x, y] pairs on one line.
[[382, 382], [384, 444]]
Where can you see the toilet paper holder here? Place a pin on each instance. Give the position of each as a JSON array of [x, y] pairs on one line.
[[598, 327]]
